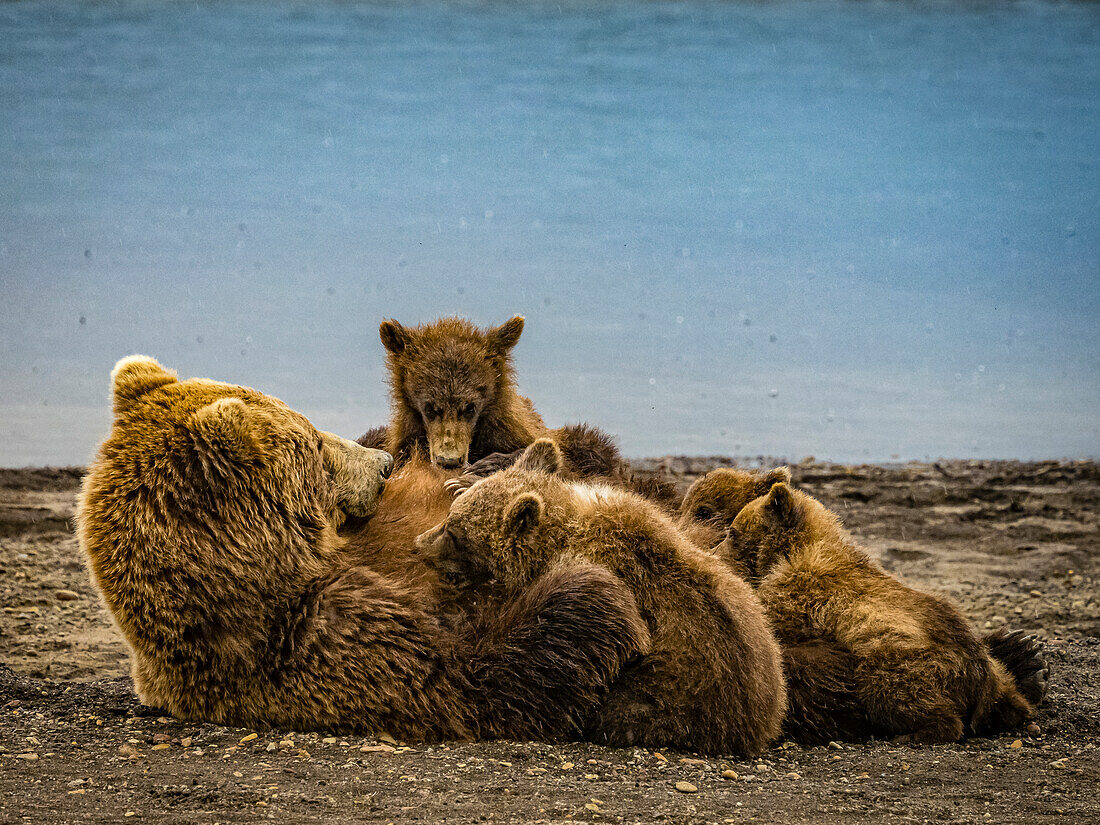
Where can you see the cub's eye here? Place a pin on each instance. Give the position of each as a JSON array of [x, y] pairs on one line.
[[431, 412], [703, 513], [468, 411]]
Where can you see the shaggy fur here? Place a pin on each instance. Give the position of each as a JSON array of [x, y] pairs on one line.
[[209, 520], [454, 397], [867, 655], [714, 501], [712, 681]]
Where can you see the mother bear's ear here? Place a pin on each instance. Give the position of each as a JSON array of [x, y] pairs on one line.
[[133, 377], [228, 426]]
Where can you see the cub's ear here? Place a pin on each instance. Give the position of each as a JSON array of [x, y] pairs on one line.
[[780, 475], [543, 456], [504, 337], [783, 506], [229, 425], [395, 338], [524, 514], [133, 377]]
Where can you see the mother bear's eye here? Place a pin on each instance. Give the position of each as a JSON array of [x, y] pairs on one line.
[[468, 411], [431, 412]]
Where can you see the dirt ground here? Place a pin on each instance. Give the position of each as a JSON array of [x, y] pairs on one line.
[[1012, 543]]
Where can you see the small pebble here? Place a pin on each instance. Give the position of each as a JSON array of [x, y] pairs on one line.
[[1034, 729], [30, 757], [686, 787], [1017, 744], [729, 774], [793, 775], [66, 595], [249, 738], [127, 750]]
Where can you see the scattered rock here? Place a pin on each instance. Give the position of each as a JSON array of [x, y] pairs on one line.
[[793, 775], [66, 595], [127, 750], [1034, 730], [30, 757], [249, 738], [377, 749], [729, 774], [1016, 744], [686, 787]]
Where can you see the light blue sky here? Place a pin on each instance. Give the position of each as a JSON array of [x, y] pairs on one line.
[[850, 230]]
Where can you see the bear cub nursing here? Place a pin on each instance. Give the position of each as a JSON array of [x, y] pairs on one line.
[[712, 680]]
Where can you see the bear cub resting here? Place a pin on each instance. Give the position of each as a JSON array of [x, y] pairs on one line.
[[920, 675], [712, 680]]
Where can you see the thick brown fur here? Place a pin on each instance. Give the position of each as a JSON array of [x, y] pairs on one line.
[[209, 520], [714, 501], [917, 672], [712, 681], [454, 398]]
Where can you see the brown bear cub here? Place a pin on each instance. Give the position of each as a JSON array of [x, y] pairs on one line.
[[454, 397], [712, 680], [918, 673], [209, 519], [714, 501]]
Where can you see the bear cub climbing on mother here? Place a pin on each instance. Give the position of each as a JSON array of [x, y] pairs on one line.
[[454, 398]]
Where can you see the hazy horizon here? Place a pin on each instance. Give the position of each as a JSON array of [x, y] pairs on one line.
[[858, 231]]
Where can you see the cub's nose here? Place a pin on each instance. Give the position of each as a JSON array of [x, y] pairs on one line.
[[448, 463]]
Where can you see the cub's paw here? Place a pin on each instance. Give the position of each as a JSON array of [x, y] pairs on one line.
[[1022, 654]]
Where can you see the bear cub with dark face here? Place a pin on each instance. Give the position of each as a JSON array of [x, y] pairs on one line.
[[712, 680], [455, 399]]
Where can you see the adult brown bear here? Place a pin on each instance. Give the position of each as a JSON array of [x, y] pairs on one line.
[[209, 519]]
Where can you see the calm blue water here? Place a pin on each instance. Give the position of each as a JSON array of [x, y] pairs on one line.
[[852, 230]]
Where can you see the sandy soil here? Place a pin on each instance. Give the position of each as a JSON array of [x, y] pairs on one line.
[[1012, 543]]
